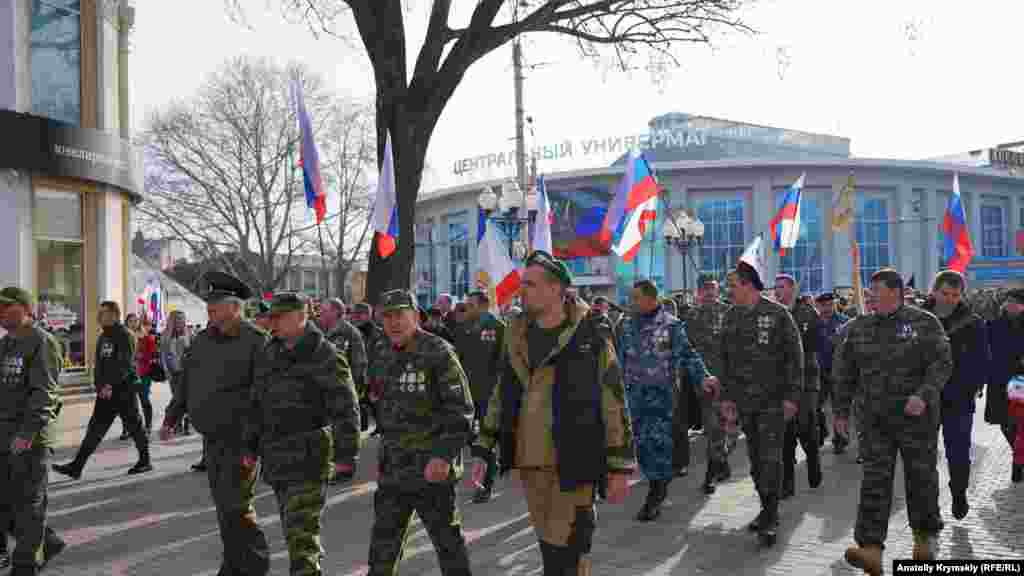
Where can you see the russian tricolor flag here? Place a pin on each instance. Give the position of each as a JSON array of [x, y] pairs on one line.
[[385, 209], [634, 205], [786, 223], [957, 249], [309, 159]]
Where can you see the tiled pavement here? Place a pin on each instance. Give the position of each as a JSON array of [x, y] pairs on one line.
[[164, 523]]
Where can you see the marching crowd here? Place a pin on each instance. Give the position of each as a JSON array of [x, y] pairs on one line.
[[573, 396]]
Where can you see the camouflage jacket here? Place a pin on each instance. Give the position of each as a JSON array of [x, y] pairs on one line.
[[887, 359], [479, 345], [30, 363], [424, 406], [762, 357], [349, 341], [808, 323], [657, 352], [530, 424], [704, 327], [303, 403]]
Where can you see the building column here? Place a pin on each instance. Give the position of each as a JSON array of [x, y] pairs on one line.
[[928, 238], [1013, 223], [17, 267], [973, 212], [761, 208]]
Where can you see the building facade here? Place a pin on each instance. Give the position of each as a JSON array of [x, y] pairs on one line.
[[69, 174], [899, 208]]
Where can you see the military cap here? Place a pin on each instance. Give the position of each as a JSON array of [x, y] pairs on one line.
[[1016, 294], [825, 297], [551, 264], [397, 300], [221, 286], [288, 302], [15, 295], [257, 309], [362, 307]]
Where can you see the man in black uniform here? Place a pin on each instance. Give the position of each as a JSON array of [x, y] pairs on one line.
[[115, 394], [30, 362], [373, 337]]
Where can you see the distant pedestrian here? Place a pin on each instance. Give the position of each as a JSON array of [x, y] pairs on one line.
[[146, 355], [898, 360], [831, 321], [1006, 341], [116, 394]]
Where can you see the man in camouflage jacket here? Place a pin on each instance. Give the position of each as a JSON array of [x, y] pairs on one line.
[[898, 359], [762, 380], [426, 418], [704, 327], [304, 423], [559, 415], [655, 356], [803, 428]]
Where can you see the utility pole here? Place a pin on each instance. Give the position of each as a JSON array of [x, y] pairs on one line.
[[517, 70]]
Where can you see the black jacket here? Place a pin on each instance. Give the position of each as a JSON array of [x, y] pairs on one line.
[[115, 359], [968, 342]]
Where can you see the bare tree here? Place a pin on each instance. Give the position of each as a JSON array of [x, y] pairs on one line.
[[223, 174], [349, 158], [409, 105]]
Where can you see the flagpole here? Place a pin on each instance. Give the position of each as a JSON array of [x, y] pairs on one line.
[[323, 261]]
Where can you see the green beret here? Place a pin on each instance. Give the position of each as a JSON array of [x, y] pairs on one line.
[[15, 295], [288, 302], [397, 300], [551, 264]]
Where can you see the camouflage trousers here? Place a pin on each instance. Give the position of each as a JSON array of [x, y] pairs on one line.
[[651, 409], [436, 506], [765, 431], [23, 483], [301, 506], [916, 440]]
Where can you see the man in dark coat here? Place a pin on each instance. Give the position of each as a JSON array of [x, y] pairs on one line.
[[1006, 337], [968, 341]]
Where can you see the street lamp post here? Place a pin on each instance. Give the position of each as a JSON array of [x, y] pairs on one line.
[[684, 232], [505, 210]]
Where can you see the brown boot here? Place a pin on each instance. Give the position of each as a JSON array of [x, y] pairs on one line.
[[924, 546], [867, 558]]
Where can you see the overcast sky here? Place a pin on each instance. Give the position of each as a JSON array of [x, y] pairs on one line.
[[905, 79]]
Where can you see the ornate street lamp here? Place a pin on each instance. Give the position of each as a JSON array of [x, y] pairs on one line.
[[684, 232], [505, 210]]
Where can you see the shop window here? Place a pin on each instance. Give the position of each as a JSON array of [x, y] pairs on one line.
[[723, 241], [59, 275], [458, 254], [993, 231], [55, 54], [871, 221]]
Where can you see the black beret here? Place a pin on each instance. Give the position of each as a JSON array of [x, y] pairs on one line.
[[220, 286]]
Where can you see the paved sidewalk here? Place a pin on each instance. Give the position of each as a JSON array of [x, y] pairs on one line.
[[164, 523]]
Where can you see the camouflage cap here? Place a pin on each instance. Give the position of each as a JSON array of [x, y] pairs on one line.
[[362, 307], [397, 300], [288, 302], [551, 264], [15, 295]]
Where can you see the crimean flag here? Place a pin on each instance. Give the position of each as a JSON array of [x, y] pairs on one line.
[[497, 273], [385, 209], [634, 205], [786, 223], [957, 249], [309, 159], [842, 205]]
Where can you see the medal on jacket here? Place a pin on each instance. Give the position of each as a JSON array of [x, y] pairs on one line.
[[12, 368], [412, 380], [906, 332], [716, 323], [107, 349], [764, 327]]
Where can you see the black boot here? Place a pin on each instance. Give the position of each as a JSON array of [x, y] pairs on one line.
[[656, 494], [767, 530], [72, 469], [814, 469], [1017, 474], [53, 546], [755, 524], [710, 478], [959, 476]]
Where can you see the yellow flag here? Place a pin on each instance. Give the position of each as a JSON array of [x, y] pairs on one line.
[[842, 206]]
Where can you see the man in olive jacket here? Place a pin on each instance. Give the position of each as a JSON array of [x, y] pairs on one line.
[[304, 423], [215, 390], [30, 362]]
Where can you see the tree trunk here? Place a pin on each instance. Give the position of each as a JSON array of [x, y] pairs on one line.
[[395, 271]]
